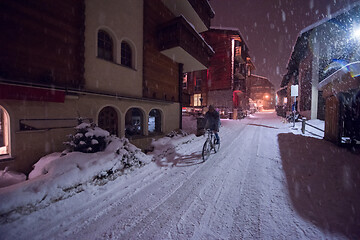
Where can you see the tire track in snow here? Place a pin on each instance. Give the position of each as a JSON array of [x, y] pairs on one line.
[[181, 197], [151, 195]]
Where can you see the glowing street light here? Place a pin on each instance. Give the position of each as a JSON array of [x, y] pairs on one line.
[[356, 33]]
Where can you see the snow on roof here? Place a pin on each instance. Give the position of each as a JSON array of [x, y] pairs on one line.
[[230, 29], [253, 75], [211, 9], [225, 28], [353, 68], [331, 16], [317, 24]]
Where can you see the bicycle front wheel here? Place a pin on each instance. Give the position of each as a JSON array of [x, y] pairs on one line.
[[206, 150], [216, 146]]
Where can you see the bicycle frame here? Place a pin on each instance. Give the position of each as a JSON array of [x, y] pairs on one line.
[[209, 144]]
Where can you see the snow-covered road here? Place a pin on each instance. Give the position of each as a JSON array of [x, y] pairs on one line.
[[241, 192]]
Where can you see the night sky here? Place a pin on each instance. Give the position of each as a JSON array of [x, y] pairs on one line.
[[270, 27]]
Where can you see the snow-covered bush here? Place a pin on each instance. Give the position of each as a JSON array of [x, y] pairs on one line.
[[88, 139], [175, 133]]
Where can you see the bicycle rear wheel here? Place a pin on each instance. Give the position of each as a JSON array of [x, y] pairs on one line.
[[206, 150]]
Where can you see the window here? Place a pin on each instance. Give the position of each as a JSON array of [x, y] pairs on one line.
[[154, 121], [108, 120], [4, 132], [198, 81], [185, 79], [133, 122], [198, 84], [105, 46], [197, 100], [126, 54]]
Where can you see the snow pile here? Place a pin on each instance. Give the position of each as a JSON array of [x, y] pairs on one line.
[[56, 177], [8, 178], [177, 133], [189, 124], [167, 145], [312, 128]]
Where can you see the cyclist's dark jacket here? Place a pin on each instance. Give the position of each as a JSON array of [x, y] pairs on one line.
[[212, 120]]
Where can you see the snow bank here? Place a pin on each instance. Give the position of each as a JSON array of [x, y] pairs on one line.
[[8, 178], [56, 177], [311, 129]]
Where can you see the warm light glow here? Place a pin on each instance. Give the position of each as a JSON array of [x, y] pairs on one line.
[[266, 96]]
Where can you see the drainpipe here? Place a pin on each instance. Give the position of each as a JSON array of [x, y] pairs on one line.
[[181, 69]]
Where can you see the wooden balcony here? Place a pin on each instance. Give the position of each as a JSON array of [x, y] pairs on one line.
[[198, 12], [240, 56], [179, 41]]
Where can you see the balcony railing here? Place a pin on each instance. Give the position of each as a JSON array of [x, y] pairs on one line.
[[177, 37], [240, 55], [203, 9], [198, 12]]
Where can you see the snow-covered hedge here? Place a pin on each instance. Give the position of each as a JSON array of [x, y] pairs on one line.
[[88, 139], [58, 176]]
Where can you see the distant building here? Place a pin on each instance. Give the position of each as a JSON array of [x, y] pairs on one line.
[[224, 84], [262, 92], [320, 50], [119, 64]]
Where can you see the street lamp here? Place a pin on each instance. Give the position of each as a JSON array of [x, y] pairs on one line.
[[356, 32]]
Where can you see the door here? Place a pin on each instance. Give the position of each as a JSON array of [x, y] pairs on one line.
[[108, 120]]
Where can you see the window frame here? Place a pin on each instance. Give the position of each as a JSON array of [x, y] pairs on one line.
[[105, 46], [126, 54]]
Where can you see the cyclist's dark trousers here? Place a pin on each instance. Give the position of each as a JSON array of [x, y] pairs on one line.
[[217, 137]]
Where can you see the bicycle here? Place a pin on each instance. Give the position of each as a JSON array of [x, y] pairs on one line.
[[210, 144]]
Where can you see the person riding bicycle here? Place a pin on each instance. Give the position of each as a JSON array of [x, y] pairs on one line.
[[212, 118]]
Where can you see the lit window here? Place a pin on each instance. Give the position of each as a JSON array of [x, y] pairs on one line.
[[197, 100], [185, 78], [4, 132], [133, 122], [154, 121]]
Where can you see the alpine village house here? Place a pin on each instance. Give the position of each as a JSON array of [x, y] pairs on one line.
[[118, 64], [225, 84], [325, 66]]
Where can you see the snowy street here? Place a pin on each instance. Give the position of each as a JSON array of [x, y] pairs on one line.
[[264, 183]]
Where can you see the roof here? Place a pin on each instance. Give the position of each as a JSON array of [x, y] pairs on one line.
[[352, 68], [301, 44], [331, 16], [232, 30]]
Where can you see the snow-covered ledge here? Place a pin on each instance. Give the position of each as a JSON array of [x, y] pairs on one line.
[[342, 80]]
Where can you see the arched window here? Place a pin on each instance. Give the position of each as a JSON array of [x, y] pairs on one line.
[[4, 132], [108, 120], [133, 122], [105, 46], [154, 121], [126, 54]]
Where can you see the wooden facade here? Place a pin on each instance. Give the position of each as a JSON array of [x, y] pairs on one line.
[[179, 33], [161, 74], [220, 70], [224, 83], [43, 42], [204, 10], [163, 30], [342, 109]]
